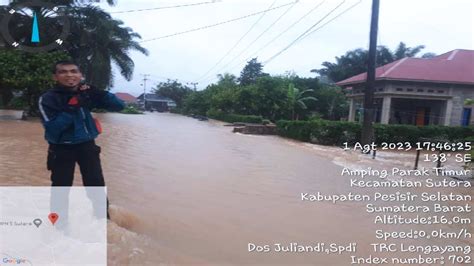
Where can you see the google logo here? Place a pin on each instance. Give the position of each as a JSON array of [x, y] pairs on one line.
[[13, 261]]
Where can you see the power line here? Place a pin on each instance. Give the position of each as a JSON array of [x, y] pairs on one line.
[[235, 45], [165, 7], [166, 79], [338, 15], [216, 24], [302, 35], [279, 35], [287, 29], [258, 37]]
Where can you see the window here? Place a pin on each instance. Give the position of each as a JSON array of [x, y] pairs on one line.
[[410, 90], [431, 91], [399, 89], [440, 91], [420, 90]]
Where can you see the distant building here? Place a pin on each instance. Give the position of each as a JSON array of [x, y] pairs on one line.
[[155, 102], [419, 91], [127, 98]]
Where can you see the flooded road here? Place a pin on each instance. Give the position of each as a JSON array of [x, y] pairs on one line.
[[186, 192]]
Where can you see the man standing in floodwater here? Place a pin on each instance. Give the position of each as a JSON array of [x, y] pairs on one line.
[[70, 128]]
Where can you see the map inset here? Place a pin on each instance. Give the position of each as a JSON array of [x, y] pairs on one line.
[[53, 226]]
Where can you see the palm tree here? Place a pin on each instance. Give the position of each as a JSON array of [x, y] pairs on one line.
[[403, 51], [355, 62], [97, 41], [296, 99]]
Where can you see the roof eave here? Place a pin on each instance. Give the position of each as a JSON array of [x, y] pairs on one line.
[[408, 80]]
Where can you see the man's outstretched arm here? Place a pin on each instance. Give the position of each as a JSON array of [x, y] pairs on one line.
[[104, 100], [110, 102]]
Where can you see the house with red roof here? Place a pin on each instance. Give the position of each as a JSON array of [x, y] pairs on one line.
[[127, 98], [419, 91]]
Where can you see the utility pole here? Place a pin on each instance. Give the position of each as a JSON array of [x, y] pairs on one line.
[[367, 127], [145, 78], [194, 84]]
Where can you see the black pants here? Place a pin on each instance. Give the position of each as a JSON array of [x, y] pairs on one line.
[[62, 162]]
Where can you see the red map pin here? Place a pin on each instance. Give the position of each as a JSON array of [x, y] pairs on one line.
[[53, 217]]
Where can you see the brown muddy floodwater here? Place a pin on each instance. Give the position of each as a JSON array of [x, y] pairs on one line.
[[186, 192]]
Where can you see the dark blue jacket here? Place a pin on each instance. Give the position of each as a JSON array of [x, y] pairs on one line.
[[74, 126]]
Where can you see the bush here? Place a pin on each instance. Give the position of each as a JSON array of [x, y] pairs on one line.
[[336, 132], [17, 103], [396, 133], [232, 118], [131, 110], [320, 131], [300, 130]]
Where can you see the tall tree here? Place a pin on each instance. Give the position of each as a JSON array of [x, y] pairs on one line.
[[227, 80], [96, 40], [251, 72], [403, 51], [173, 90], [355, 62]]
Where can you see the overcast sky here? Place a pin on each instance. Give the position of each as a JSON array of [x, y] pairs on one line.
[[439, 25]]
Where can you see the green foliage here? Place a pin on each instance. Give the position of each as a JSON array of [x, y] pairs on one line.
[[332, 103], [251, 72], [173, 90], [320, 131], [227, 80], [355, 62], [28, 73], [299, 130], [336, 132], [396, 133], [96, 40], [19, 69], [232, 118], [131, 110], [198, 102], [17, 103], [296, 99], [271, 97]]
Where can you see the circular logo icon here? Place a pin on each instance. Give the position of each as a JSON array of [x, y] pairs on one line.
[[35, 26]]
